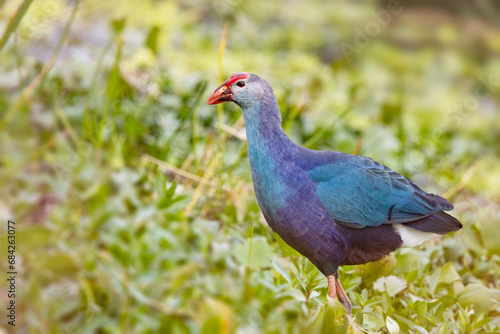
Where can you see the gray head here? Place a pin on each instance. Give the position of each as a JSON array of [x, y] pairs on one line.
[[247, 90]]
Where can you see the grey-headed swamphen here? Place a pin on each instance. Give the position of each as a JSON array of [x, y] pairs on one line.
[[334, 208]]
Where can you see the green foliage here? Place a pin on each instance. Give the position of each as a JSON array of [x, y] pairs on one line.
[[134, 204]]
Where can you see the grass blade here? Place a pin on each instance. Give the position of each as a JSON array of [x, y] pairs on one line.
[[35, 83], [14, 21], [220, 68]]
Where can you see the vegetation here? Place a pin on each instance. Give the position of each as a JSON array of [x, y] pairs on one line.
[[133, 199]]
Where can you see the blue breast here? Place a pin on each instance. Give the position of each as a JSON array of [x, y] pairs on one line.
[[289, 201]]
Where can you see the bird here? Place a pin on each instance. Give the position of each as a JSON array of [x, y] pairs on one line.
[[334, 208]]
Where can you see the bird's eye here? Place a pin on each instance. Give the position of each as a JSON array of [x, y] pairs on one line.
[[240, 84]]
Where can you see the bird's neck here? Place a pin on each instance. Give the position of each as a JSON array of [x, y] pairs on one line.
[[264, 131], [269, 149]]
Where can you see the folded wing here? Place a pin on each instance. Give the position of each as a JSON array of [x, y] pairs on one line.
[[359, 192]]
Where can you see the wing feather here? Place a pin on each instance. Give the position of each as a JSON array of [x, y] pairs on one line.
[[359, 192]]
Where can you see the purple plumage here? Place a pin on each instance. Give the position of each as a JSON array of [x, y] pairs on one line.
[[334, 208]]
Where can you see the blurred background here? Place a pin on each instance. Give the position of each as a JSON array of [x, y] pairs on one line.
[[133, 200]]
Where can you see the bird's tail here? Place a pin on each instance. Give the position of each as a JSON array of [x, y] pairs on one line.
[[439, 222]]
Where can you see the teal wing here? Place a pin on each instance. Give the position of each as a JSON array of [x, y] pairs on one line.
[[359, 192]]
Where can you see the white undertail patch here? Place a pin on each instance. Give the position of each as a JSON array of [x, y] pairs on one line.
[[410, 236]]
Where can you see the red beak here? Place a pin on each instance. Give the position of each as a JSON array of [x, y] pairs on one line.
[[222, 94]]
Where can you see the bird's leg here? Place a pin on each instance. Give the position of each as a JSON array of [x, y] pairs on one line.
[[335, 290], [332, 290], [342, 296]]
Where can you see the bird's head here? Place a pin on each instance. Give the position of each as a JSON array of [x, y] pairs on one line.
[[243, 88]]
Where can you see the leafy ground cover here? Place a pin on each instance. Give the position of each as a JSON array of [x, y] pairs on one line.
[[133, 199]]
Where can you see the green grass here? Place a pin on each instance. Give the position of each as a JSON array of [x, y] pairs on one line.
[[133, 199]]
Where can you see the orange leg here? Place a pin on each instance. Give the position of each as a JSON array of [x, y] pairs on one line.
[[343, 297], [332, 289], [335, 290]]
